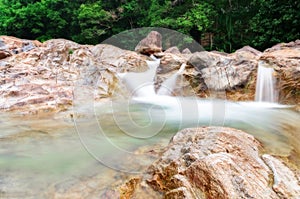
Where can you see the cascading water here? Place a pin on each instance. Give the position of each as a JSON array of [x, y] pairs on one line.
[[39, 157], [167, 86], [265, 120], [265, 84]]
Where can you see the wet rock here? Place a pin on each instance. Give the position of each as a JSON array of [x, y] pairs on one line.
[[218, 162], [151, 44], [169, 65], [281, 46], [201, 60], [285, 59]]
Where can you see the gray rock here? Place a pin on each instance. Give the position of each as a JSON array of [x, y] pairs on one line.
[[186, 51]]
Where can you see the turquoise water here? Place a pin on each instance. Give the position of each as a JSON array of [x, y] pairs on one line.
[[37, 154], [45, 155]]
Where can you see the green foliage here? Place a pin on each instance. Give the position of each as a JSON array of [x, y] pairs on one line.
[[36, 19], [94, 22], [233, 23], [275, 22]]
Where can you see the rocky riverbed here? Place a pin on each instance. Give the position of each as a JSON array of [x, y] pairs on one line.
[[40, 77], [40, 84]]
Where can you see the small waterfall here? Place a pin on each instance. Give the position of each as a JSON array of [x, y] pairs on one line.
[[168, 85], [265, 84], [141, 84]]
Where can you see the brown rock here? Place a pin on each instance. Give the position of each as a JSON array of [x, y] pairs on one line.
[[4, 54], [127, 190], [281, 46], [218, 162], [285, 59], [151, 44]]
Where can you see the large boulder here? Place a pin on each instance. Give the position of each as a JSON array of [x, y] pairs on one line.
[[217, 162], [43, 79], [223, 71], [285, 59], [150, 44], [12, 45]]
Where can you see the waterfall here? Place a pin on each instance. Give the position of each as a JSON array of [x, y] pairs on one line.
[[265, 84], [168, 85], [141, 84]]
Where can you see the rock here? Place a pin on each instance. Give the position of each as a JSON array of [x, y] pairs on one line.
[[49, 71], [219, 162], [285, 181], [281, 46], [186, 51], [170, 62], [211, 71], [285, 59], [12, 45], [223, 71], [43, 79], [169, 65], [127, 190], [4, 54], [151, 44], [173, 50], [201, 60]]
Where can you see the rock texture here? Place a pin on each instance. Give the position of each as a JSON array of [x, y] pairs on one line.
[[43, 79], [285, 59], [12, 45], [222, 71], [151, 44], [211, 71], [218, 162]]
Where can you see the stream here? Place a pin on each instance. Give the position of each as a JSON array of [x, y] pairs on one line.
[[91, 153]]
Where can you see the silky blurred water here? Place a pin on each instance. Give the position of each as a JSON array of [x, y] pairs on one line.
[[39, 155]]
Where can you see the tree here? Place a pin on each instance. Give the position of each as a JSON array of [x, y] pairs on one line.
[[36, 19], [274, 22], [95, 23]]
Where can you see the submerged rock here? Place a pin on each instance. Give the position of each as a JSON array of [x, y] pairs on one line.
[[217, 162]]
